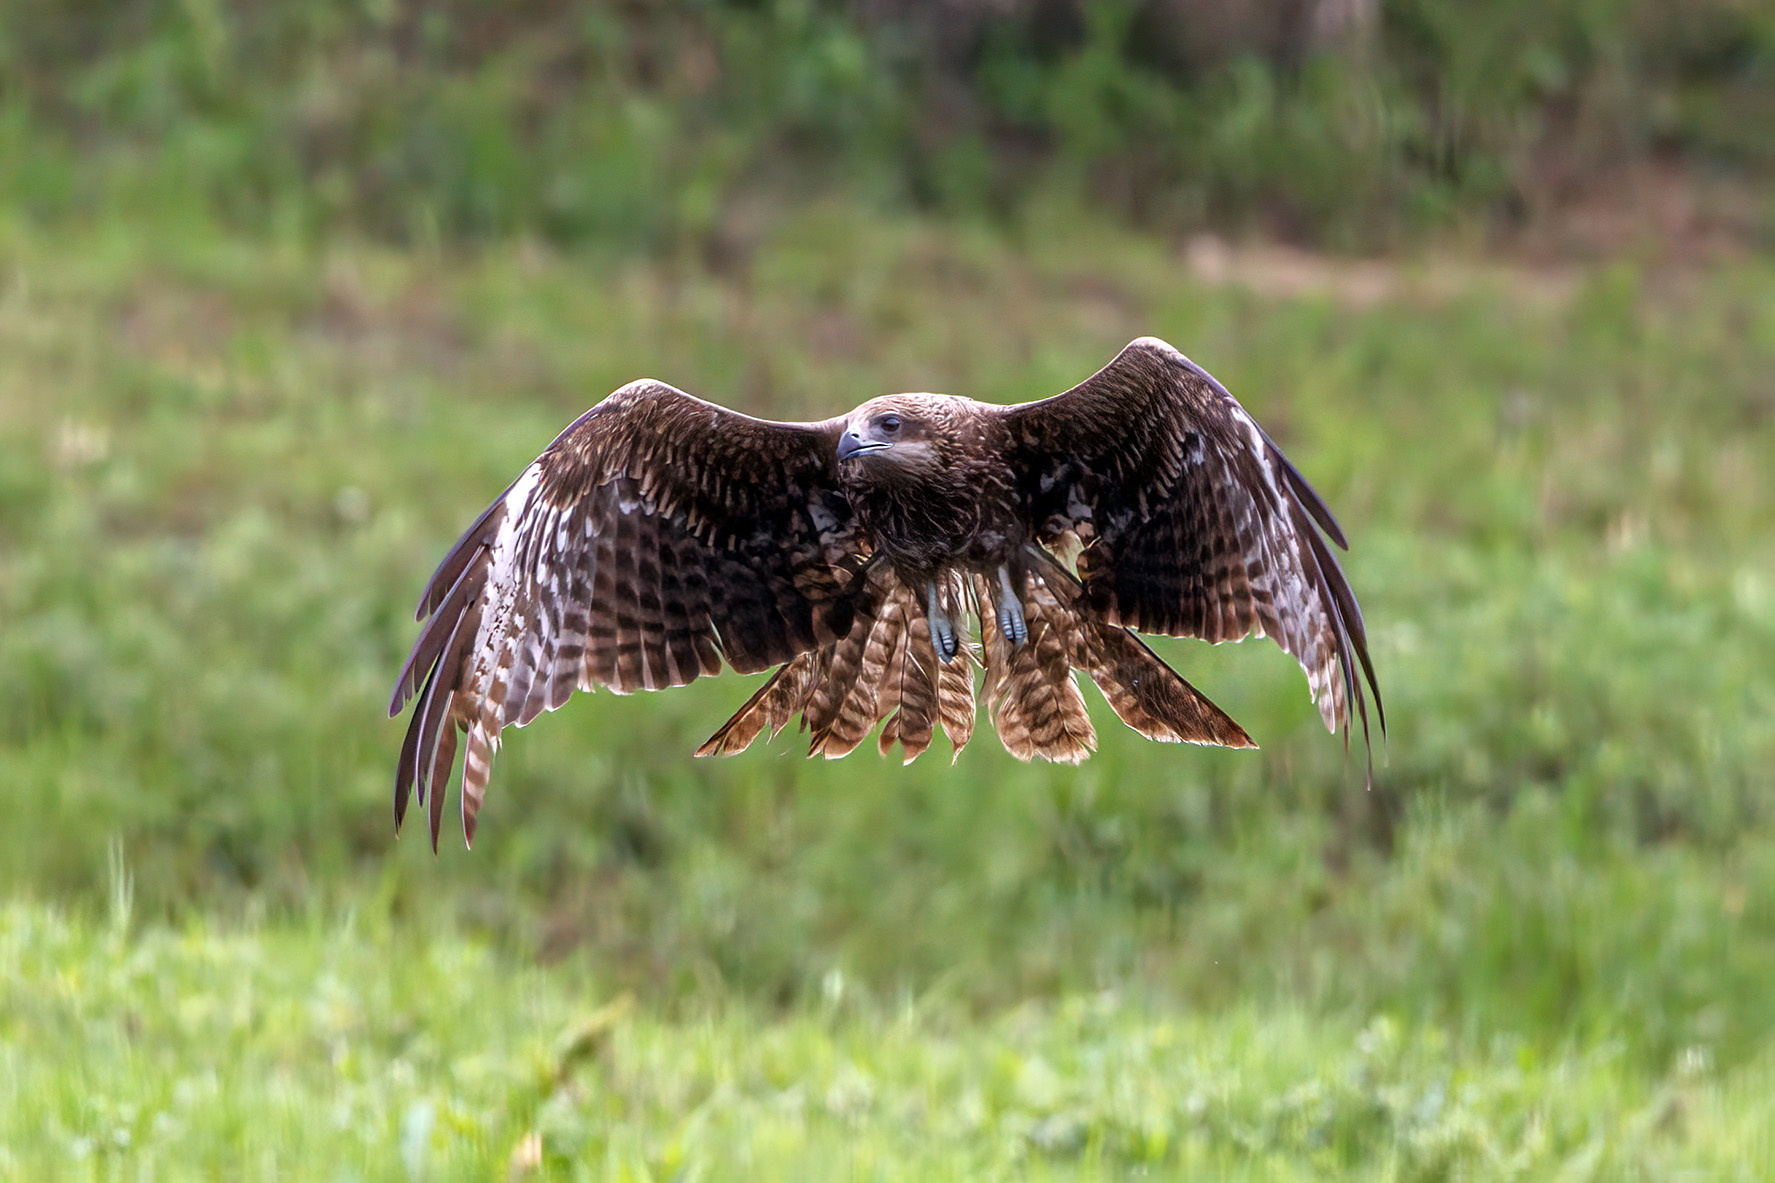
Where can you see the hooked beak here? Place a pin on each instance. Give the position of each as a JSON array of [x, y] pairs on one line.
[[851, 444]]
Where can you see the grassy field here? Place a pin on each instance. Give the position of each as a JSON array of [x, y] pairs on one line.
[[1539, 946], [359, 1050]]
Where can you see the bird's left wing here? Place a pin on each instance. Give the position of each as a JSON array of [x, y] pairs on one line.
[[1190, 521], [655, 537]]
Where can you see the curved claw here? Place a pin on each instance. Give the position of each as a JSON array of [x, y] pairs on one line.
[[943, 634], [1011, 624]]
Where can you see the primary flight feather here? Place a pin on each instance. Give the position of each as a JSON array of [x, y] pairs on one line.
[[660, 536]]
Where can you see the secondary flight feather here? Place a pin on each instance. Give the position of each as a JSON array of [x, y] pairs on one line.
[[661, 536]]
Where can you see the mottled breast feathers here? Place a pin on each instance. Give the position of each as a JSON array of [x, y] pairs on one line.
[[660, 537]]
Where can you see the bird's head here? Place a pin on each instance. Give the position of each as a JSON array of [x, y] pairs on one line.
[[900, 434]]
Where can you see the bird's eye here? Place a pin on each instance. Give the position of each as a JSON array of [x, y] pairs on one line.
[[889, 424]]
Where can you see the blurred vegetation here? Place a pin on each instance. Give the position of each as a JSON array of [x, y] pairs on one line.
[[289, 292], [366, 1052], [1351, 122]]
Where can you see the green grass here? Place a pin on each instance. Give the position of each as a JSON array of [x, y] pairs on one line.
[[1540, 944], [357, 1049]]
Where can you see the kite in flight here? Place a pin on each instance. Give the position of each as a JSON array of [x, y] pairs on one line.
[[660, 535]]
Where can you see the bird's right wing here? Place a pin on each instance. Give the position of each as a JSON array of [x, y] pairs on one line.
[[655, 537]]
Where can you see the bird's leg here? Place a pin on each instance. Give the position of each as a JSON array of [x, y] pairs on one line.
[[942, 628], [1011, 624]]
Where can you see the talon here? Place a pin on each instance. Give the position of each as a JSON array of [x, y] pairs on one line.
[[1011, 624], [942, 628]]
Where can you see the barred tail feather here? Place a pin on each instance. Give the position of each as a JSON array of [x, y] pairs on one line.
[[1153, 698], [955, 701], [843, 709], [1144, 692], [771, 706], [1035, 704], [884, 672]]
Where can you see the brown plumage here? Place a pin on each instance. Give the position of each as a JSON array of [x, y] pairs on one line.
[[660, 536]]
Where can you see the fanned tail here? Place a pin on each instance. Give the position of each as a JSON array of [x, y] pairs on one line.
[[884, 671]]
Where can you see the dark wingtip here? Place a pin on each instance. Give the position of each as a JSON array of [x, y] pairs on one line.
[[403, 691], [406, 771], [1374, 690], [1308, 496], [436, 804], [1351, 635], [447, 613], [458, 556]]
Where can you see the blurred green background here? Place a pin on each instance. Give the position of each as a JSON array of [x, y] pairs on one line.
[[289, 292]]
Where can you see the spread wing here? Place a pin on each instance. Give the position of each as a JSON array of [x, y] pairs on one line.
[[1189, 521], [658, 535]]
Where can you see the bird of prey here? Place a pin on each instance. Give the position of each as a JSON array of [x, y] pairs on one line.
[[660, 535]]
